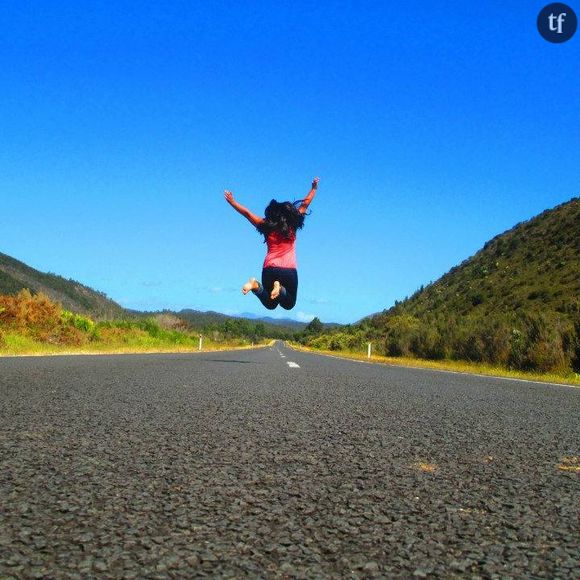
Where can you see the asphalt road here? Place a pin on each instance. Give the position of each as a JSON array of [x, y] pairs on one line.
[[242, 464]]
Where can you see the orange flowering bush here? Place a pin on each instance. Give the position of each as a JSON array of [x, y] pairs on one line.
[[37, 316]]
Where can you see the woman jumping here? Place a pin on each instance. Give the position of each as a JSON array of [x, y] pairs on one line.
[[279, 277]]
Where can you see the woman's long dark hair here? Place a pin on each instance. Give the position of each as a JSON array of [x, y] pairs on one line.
[[282, 217]]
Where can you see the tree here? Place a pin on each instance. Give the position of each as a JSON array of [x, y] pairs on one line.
[[260, 330], [315, 326]]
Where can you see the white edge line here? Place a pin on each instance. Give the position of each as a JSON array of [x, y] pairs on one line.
[[365, 362]]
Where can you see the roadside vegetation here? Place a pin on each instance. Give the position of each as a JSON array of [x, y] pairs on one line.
[[520, 342], [513, 307], [458, 366], [34, 324]]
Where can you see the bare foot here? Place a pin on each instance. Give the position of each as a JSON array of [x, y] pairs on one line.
[[251, 284], [275, 291]]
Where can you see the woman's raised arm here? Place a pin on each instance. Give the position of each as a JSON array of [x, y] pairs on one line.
[[308, 199], [251, 217]]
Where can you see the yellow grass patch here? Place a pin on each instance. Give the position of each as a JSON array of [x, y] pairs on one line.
[[571, 464], [469, 511], [18, 345], [426, 467], [464, 367]]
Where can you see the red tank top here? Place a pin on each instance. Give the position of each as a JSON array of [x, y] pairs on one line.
[[281, 251]]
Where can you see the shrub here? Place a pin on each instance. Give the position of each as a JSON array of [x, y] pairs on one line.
[[542, 344], [150, 326], [29, 313], [68, 335], [544, 356], [36, 317], [427, 343], [400, 332], [168, 321], [472, 349], [77, 321], [495, 338]]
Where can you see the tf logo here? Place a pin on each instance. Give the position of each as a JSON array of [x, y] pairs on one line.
[[557, 22]]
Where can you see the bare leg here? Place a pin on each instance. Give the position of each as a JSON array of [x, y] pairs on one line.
[[251, 284], [275, 291]]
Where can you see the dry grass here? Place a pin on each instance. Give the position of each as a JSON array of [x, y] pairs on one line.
[[571, 464], [426, 467], [18, 345], [449, 366]]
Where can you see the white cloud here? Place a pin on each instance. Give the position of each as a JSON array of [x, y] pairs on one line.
[[150, 283], [318, 301], [304, 316]]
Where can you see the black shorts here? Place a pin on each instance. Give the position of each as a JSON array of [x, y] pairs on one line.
[[288, 278]]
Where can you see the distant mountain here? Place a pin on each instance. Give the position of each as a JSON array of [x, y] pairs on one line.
[[74, 296], [289, 322], [198, 318], [274, 326]]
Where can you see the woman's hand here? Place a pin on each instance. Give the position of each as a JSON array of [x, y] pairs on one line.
[[253, 219], [315, 182]]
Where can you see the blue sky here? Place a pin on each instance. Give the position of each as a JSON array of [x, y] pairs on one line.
[[432, 126]]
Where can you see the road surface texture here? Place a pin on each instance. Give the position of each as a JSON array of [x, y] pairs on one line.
[[243, 464]]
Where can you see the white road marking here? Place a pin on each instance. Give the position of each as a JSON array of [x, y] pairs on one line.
[[395, 366], [293, 365]]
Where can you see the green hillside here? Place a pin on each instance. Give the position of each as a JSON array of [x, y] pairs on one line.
[[74, 296], [533, 267], [80, 299], [515, 303]]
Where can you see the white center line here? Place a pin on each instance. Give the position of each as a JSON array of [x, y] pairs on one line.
[[293, 365]]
